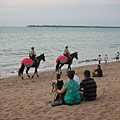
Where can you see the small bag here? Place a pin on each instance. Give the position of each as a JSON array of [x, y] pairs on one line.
[[57, 102]]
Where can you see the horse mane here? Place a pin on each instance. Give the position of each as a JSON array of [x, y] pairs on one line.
[[40, 56], [73, 53]]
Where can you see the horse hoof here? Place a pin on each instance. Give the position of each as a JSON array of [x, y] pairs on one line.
[[37, 75], [22, 78], [29, 76], [32, 76]]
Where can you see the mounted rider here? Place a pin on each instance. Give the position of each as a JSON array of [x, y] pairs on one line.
[[33, 55], [67, 53]]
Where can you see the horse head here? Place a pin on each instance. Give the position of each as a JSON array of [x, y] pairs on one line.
[[74, 55], [41, 57]]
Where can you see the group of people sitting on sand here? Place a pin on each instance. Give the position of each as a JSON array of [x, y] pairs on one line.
[[73, 91]]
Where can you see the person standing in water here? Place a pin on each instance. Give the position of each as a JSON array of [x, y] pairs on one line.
[[106, 58]]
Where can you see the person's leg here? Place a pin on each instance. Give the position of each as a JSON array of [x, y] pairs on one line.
[[57, 101], [94, 74], [82, 97], [62, 97]]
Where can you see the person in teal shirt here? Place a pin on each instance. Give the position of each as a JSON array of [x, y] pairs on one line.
[[71, 89]]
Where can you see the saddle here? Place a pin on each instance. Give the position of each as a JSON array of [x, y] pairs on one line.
[[35, 61], [69, 58], [63, 59]]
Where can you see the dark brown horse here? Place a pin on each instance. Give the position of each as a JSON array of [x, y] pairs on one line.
[[28, 63], [61, 60]]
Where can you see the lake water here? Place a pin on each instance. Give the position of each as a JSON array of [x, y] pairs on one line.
[[15, 43]]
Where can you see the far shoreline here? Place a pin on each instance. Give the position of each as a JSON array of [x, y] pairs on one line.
[[72, 26]]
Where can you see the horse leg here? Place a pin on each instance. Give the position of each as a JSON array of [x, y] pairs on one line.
[[33, 75], [27, 71], [60, 68], [20, 71], [35, 72], [69, 68], [57, 67]]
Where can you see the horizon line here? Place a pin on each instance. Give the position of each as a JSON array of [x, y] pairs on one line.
[[82, 26]]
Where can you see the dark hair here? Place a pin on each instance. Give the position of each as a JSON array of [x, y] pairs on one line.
[[87, 73], [73, 71], [58, 76], [70, 74], [99, 66]]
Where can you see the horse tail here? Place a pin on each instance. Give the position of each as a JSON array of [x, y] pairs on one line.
[[19, 72], [21, 69], [57, 65]]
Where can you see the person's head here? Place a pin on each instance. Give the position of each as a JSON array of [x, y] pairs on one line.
[[70, 74], [66, 46], [99, 66], [73, 71], [99, 55], [32, 47], [87, 73], [58, 76]]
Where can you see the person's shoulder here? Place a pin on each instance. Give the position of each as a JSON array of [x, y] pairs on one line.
[[59, 80], [66, 84], [54, 81], [83, 80], [87, 79], [92, 79], [75, 75]]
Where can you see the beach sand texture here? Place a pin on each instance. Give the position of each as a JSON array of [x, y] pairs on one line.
[[28, 99]]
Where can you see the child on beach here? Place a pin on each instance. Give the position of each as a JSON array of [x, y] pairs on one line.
[[106, 58], [99, 59], [57, 84], [117, 56]]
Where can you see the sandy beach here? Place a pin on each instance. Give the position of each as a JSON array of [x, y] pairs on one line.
[[28, 99]]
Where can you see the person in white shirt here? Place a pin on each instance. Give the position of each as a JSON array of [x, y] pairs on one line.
[[76, 78], [99, 59], [105, 58]]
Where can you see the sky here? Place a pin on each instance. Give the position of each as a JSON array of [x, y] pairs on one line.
[[60, 12]]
